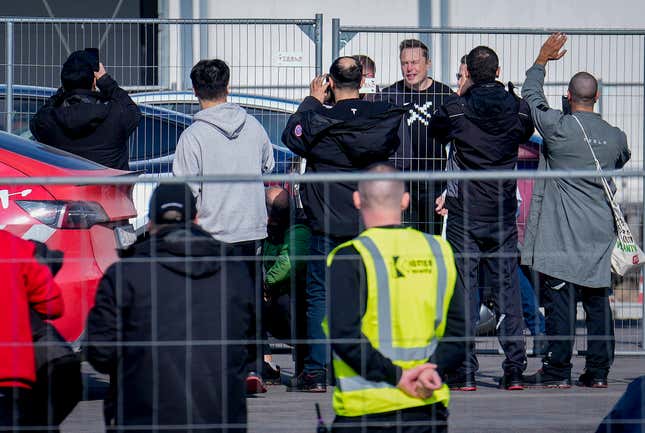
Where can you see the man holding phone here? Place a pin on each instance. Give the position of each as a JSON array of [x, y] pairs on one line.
[[81, 120]]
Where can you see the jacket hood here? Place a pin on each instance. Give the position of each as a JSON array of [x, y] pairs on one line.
[[190, 245], [80, 113], [227, 118], [372, 138], [491, 107]]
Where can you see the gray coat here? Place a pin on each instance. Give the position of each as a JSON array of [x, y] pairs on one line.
[[570, 232]]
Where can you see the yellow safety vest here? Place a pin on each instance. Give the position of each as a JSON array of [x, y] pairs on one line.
[[410, 282]]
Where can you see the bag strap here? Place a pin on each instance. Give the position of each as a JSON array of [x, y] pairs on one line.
[[618, 214]]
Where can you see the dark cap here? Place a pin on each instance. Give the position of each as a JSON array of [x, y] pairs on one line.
[[77, 72], [172, 197]]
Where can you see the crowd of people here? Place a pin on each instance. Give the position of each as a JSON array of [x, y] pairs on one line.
[[359, 278]]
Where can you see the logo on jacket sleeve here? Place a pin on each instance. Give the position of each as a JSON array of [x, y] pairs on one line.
[[298, 130]]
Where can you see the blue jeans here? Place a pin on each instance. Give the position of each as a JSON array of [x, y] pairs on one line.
[[316, 295], [533, 318]]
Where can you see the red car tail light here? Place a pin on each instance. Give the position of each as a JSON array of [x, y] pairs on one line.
[[65, 214]]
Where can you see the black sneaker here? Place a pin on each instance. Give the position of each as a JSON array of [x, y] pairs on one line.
[[512, 381], [542, 379], [591, 380], [461, 382], [309, 382], [271, 374]]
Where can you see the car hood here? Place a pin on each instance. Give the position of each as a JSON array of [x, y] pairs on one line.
[[227, 118]]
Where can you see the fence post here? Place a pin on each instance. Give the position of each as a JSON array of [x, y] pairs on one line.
[[335, 38], [319, 43], [642, 279], [9, 95]]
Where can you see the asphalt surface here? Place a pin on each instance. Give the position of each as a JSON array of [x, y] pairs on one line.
[[486, 410]]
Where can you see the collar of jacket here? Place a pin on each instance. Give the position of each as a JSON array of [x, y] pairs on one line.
[[489, 85], [318, 123], [82, 96], [179, 240]]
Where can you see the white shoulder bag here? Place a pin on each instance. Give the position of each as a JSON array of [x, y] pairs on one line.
[[626, 255]]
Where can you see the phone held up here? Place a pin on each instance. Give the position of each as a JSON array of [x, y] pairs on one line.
[[93, 53]]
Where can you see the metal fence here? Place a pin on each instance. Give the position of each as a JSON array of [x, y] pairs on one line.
[[615, 57]]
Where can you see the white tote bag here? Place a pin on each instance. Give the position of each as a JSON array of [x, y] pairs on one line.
[[626, 255]]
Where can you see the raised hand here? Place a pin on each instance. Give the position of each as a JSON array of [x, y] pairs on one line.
[[551, 48], [318, 88]]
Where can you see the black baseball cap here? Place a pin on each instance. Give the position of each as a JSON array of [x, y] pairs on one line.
[[177, 197], [77, 72]]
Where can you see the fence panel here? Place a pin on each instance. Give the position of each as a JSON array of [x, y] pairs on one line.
[[615, 57]]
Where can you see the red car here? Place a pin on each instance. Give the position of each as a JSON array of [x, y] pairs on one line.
[[87, 222]]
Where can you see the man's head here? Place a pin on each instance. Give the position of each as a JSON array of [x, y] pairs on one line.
[[78, 72], [346, 75], [415, 61], [483, 65], [368, 65], [210, 80], [381, 201], [583, 89], [463, 70], [278, 205], [172, 204]]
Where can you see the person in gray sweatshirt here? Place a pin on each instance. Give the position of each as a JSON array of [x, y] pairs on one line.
[[225, 140]]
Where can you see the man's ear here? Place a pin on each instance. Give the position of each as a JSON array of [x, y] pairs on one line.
[[356, 197], [569, 96], [228, 89], [330, 80], [405, 201], [467, 73], [595, 99], [498, 72]]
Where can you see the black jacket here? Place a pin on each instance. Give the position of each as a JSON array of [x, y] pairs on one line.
[[94, 125], [171, 303], [487, 125], [345, 138]]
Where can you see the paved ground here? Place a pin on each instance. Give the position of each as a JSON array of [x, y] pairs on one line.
[[487, 410]]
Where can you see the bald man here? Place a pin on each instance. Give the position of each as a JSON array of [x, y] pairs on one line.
[[570, 233], [388, 356], [346, 137]]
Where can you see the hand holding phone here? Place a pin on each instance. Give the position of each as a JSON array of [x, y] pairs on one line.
[[93, 54]]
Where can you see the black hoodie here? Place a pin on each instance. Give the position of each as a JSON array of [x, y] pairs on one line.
[[94, 125], [487, 124], [175, 291], [345, 138]]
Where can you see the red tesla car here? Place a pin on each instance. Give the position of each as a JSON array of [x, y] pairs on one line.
[[87, 222]]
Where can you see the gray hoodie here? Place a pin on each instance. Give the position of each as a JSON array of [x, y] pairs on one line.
[[223, 140]]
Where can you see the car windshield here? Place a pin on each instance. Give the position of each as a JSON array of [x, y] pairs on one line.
[[47, 154]]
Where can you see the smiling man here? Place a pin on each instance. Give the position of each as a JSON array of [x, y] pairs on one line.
[[423, 153]]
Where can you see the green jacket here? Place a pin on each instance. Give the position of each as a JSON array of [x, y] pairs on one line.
[[280, 260]]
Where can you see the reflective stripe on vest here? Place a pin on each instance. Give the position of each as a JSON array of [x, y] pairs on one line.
[[384, 317]]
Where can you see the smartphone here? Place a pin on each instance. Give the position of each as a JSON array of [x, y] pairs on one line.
[[94, 56], [566, 107]]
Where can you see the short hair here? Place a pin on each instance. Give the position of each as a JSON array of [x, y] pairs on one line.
[[347, 72], [278, 203], [384, 193], [414, 43], [583, 88], [482, 63], [210, 79], [366, 63]]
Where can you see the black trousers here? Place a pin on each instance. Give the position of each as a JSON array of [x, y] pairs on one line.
[[248, 252], [424, 419], [560, 300], [421, 214], [14, 407], [490, 248]]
